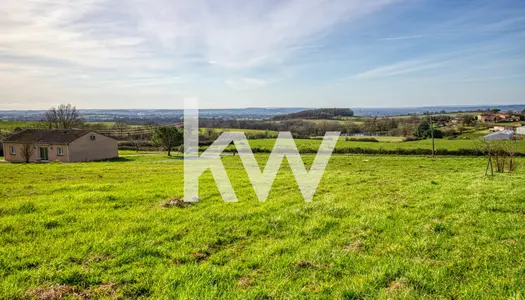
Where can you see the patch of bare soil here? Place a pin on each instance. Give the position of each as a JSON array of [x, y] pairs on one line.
[[175, 203], [57, 292], [303, 264], [199, 256], [395, 286], [54, 291], [245, 282], [356, 246]]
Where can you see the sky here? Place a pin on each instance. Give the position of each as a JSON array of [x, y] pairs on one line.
[[261, 53]]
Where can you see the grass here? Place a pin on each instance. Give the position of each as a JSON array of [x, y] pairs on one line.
[[379, 227], [12, 125], [392, 145], [473, 135], [385, 139], [246, 131], [135, 153]]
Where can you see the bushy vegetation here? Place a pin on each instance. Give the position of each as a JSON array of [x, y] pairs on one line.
[[362, 139], [168, 137], [416, 147], [379, 227], [319, 114], [427, 130]]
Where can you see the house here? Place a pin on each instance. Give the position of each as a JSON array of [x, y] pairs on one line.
[[500, 135], [520, 130], [65, 145], [503, 117], [487, 118]]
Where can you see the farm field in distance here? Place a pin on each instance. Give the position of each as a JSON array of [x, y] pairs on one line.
[[379, 226]]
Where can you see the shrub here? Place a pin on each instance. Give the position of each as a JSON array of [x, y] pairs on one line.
[[365, 139], [411, 139], [381, 151]]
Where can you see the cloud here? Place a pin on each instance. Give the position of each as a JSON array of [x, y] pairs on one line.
[[466, 61], [88, 42], [408, 37], [240, 34], [245, 83], [400, 68], [92, 50], [156, 33]]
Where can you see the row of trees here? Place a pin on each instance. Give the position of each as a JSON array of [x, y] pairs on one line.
[[318, 114]]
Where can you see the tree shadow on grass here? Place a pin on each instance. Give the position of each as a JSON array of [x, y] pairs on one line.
[[116, 159]]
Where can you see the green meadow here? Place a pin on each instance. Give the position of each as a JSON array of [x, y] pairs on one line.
[[387, 144], [379, 227], [11, 125]]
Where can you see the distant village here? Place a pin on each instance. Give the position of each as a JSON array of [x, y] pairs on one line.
[[506, 121]]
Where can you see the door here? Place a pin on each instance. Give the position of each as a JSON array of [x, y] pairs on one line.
[[43, 154]]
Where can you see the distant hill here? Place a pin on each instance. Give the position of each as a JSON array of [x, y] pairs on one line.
[[162, 116], [317, 114]]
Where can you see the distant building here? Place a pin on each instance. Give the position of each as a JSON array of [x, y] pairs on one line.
[[503, 117], [500, 135], [487, 118], [520, 130], [501, 128], [65, 145], [500, 117]]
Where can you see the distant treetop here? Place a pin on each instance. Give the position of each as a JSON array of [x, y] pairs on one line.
[[317, 114]]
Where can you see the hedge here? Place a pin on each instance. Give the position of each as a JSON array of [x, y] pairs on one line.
[[399, 151], [358, 150]]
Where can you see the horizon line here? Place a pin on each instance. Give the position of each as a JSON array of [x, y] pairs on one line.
[[298, 107]]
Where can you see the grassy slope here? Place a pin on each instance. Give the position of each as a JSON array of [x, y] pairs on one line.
[[425, 144], [11, 125], [378, 227]]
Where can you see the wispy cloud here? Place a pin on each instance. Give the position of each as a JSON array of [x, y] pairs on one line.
[[488, 79], [154, 49], [398, 38], [400, 68], [243, 34], [245, 83]]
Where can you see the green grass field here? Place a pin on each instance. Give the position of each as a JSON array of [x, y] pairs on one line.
[[11, 125], [379, 227], [246, 131], [388, 145]]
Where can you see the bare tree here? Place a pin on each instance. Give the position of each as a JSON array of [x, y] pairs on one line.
[[511, 149], [120, 126], [211, 134], [63, 117], [501, 154], [137, 139], [27, 151]]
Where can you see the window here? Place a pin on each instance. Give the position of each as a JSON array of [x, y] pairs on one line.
[[60, 151], [12, 150], [92, 137]]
